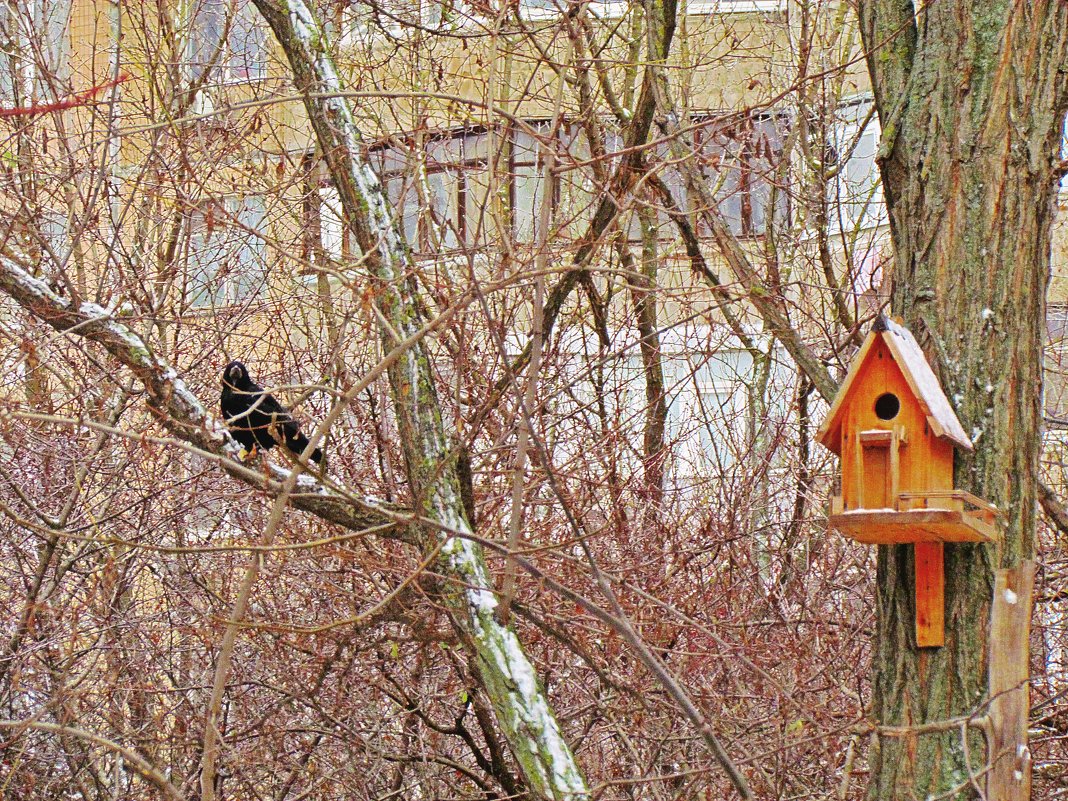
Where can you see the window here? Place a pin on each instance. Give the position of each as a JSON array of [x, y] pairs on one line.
[[741, 163], [735, 6], [226, 252], [613, 9], [458, 180], [440, 226], [228, 37], [54, 228], [1056, 367], [36, 44], [528, 159], [541, 9], [855, 192], [713, 378], [571, 189], [474, 202], [1064, 156], [627, 372], [329, 241], [397, 168], [719, 413], [9, 74], [356, 22], [441, 188], [334, 237]]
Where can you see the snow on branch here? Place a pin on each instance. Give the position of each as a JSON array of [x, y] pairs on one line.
[[178, 409], [507, 673]]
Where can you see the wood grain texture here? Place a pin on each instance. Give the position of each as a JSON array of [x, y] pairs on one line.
[[887, 527], [930, 595], [1010, 629]]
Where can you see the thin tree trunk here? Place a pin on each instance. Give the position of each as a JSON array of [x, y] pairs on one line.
[[522, 709], [643, 289]]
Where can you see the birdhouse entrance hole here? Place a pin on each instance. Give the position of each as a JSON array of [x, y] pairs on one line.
[[887, 406]]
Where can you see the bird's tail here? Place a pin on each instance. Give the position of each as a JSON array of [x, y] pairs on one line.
[[298, 443]]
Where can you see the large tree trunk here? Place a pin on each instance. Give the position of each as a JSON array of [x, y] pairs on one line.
[[972, 98]]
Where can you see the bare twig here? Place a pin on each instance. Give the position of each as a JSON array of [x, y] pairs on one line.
[[135, 761]]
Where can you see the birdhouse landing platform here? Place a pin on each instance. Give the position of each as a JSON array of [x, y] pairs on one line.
[[937, 516]]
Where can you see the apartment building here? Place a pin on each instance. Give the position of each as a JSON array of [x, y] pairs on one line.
[[191, 191]]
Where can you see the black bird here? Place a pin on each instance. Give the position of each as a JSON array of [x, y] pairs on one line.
[[255, 417]]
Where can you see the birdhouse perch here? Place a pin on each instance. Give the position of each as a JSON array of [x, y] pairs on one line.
[[896, 434]]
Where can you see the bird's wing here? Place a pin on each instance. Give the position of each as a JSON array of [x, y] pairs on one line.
[[269, 405], [243, 401], [233, 404], [267, 413]]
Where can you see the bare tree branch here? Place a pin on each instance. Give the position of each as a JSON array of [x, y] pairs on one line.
[[176, 407], [135, 761], [1053, 507]]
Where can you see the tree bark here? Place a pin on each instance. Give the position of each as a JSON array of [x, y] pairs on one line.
[[972, 99]]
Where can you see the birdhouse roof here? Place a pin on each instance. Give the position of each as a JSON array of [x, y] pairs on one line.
[[918, 374]]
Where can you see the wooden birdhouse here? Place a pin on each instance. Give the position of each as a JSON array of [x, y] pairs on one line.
[[896, 434]]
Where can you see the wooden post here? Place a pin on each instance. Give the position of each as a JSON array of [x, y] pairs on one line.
[[930, 595], [1010, 698]]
